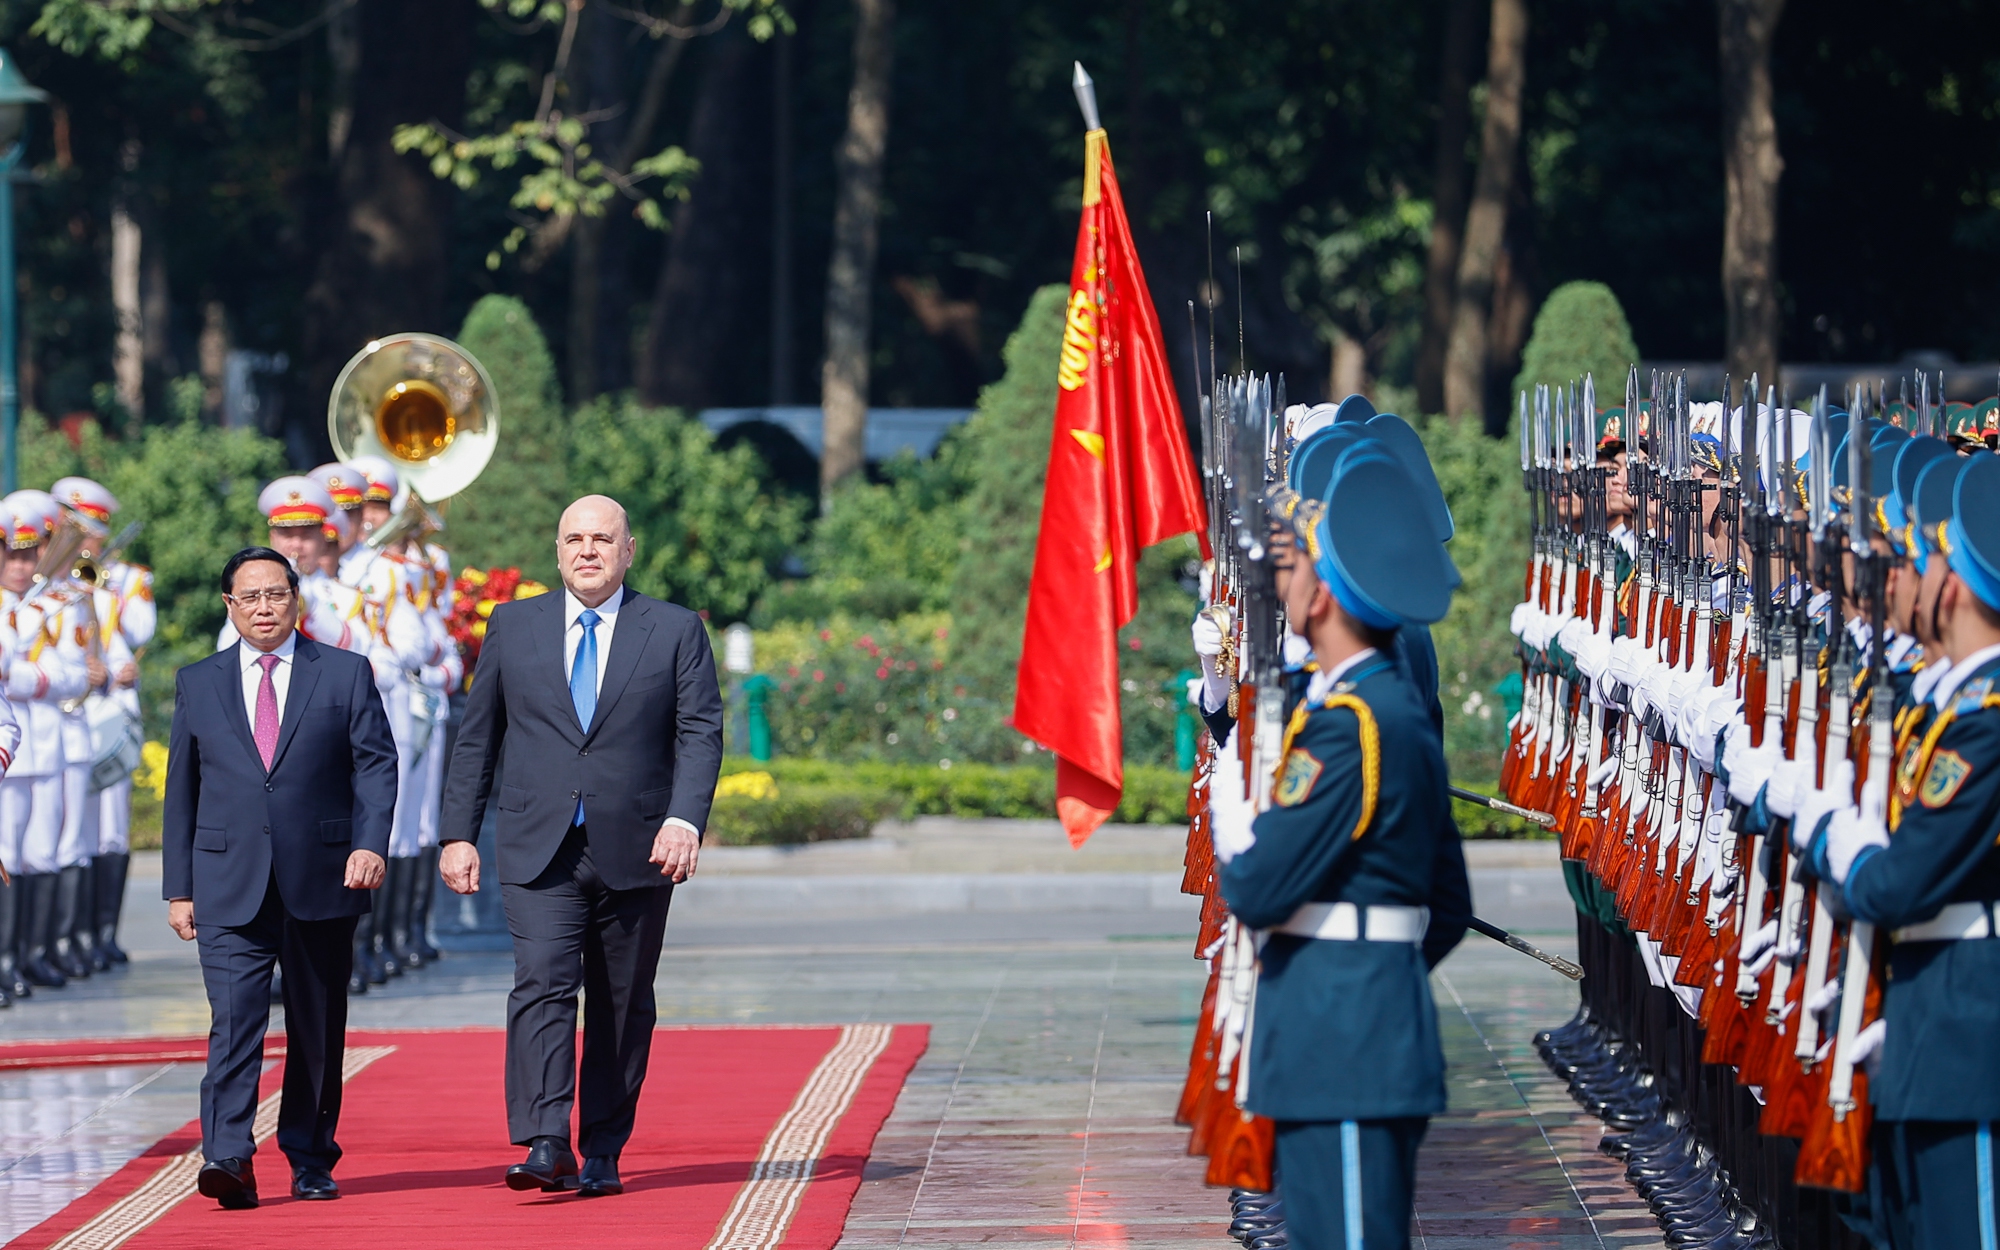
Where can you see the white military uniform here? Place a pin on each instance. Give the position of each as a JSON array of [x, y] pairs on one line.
[[41, 674], [125, 612], [430, 566]]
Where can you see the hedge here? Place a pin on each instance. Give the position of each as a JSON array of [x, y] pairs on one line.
[[1153, 795]]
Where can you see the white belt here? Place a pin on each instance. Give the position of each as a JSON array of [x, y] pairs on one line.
[[1342, 922], [1957, 921]]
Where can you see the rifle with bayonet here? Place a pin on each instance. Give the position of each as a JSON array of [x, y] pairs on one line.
[[1834, 1154]]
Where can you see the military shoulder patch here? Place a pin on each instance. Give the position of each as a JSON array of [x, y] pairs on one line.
[[1295, 778], [1943, 778]]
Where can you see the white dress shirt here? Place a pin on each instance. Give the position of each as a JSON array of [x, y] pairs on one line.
[[607, 623], [253, 675], [1323, 682]]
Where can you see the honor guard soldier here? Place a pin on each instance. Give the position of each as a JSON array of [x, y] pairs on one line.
[[1928, 877], [1353, 871], [76, 633], [405, 648], [126, 620], [42, 675]]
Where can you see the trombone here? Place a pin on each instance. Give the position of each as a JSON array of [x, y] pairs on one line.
[[427, 406]]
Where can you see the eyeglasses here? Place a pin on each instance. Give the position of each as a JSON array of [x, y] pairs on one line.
[[251, 599]]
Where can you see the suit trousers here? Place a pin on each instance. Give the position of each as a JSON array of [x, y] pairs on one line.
[[1348, 1183], [572, 932], [236, 963]]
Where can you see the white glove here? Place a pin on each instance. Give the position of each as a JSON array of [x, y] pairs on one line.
[[1593, 655], [1764, 939], [1601, 775], [1791, 780], [1823, 1002], [1207, 636], [1519, 618], [1751, 770], [1847, 835], [1574, 636], [1230, 814], [1815, 804], [1868, 1044]]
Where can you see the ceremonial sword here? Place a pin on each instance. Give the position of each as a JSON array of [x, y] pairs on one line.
[[1494, 931]]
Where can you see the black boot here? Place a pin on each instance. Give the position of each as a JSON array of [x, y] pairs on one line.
[[38, 920], [9, 971], [421, 894], [63, 952], [384, 913], [85, 932], [402, 907], [111, 871]]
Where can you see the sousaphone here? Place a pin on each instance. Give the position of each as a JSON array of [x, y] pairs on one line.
[[424, 404]]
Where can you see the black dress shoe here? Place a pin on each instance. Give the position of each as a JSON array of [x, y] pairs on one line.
[[600, 1178], [549, 1167], [314, 1185], [230, 1182]]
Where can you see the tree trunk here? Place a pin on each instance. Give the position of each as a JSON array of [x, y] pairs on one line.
[[1751, 167], [699, 324], [600, 294], [128, 358], [856, 214], [1461, 47], [1486, 220], [781, 219], [384, 259]]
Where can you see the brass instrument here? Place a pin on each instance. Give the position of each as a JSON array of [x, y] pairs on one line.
[[427, 406], [63, 560]]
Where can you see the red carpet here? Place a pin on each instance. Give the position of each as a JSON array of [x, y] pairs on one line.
[[748, 1138], [92, 1052]]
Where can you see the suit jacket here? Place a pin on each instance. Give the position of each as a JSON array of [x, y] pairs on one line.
[[653, 749], [229, 826]]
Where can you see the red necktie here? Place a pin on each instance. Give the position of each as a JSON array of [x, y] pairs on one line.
[[267, 711]]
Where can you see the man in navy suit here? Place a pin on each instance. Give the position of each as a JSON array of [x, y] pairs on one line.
[[600, 709], [281, 784]]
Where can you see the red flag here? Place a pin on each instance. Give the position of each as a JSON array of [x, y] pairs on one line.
[[1120, 479]]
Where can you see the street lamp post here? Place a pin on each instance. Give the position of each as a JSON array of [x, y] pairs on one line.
[[16, 94]]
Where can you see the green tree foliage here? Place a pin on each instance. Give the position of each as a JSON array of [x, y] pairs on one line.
[[711, 531], [1580, 329], [508, 516], [883, 549], [1490, 547]]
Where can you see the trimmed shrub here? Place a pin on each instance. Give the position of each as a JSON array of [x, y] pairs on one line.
[[1579, 329], [508, 517], [798, 813], [1153, 795]]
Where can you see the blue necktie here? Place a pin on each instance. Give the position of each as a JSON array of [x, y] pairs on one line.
[[583, 680]]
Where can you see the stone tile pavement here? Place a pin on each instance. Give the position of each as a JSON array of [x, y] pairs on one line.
[[1040, 1115]]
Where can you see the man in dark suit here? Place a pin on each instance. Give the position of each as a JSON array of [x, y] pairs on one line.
[[600, 708], [281, 783]]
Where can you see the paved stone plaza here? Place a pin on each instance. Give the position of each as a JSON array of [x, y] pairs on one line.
[[1040, 1115]]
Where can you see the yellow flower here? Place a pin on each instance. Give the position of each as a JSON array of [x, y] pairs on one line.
[[152, 770], [528, 589], [747, 786]]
